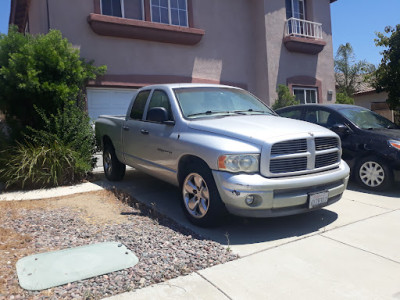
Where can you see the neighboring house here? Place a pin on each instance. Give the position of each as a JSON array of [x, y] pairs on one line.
[[254, 44], [366, 96]]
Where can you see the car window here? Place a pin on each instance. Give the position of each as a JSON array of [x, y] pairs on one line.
[[138, 105], [293, 114], [321, 117], [366, 119], [160, 99]]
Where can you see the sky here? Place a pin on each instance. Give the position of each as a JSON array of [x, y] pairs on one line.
[[353, 21]]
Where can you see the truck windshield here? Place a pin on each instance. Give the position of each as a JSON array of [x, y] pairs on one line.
[[218, 101], [366, 119]]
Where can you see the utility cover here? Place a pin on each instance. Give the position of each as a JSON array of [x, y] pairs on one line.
[[50, 269]]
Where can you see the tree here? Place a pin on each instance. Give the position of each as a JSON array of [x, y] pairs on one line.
[[348, 72], [284, 98], [45, 71], [342, 98], [387, 76]]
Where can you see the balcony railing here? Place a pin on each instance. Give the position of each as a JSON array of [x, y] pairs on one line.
[[303, 28]]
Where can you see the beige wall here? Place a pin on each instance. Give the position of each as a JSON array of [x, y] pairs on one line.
[[368, 100], [242, 44]]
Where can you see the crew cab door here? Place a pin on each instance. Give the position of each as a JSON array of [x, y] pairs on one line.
[[153, 142], [133, 138]]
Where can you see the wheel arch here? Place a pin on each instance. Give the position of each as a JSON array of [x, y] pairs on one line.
[[184, 163]]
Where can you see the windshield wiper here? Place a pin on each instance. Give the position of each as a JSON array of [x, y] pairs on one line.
[[208, 112], [251, 111]]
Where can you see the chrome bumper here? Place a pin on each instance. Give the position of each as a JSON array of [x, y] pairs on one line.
[[278, 196]]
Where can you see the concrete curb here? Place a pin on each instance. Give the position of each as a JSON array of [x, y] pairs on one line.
[[50, 193]]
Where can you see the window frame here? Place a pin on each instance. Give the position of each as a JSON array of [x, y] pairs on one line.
[[305, 89], [122, 4], [169, 14]]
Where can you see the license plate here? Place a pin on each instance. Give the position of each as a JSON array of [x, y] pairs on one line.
[[318, 199]]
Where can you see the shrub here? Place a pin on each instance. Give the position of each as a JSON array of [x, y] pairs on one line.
[[342, 98], [30, 166], [284, 98], [70, 127], [61, 153], [42, 70]]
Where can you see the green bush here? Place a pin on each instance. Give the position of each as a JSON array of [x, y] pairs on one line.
[[45, 71], [342, 98], [70, 127], [30, 166], [61, 153], [285, 98]]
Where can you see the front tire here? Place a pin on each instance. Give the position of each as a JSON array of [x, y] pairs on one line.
[[201, 201], [374, 174], [113, 168]]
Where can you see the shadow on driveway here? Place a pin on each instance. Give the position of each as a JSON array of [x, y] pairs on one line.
[[165, 198]]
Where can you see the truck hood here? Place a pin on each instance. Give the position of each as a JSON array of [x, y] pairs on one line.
[[257, 128]]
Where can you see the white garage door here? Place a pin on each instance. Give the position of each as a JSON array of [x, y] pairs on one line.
[[108, 101]]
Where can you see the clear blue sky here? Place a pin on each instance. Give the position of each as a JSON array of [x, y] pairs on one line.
[[353, 21]]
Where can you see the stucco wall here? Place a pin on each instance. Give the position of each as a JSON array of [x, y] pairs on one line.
[[225, 51], [243, 43], [283, 64]]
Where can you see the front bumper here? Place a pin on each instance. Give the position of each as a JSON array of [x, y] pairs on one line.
[[278, 196]]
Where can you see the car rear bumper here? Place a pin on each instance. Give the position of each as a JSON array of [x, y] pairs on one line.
[[278, 196]]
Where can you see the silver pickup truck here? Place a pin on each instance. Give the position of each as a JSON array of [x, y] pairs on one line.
[[226, 150]]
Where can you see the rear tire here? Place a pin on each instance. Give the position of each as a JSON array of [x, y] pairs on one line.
[[201, 201], [374, 174], [113, 168]]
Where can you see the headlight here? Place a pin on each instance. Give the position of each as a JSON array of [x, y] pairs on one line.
[[239, 163], [395, 144]]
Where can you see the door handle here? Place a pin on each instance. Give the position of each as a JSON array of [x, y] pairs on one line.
[[144, 131], [126, 128]]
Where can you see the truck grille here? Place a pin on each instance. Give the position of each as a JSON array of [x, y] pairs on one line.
[[288, 165], [295, 146], [323, 143], [328, 159], [302, 156]]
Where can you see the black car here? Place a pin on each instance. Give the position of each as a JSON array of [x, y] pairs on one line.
[[370, 142]]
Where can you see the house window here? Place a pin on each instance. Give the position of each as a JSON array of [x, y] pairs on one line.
[[173, 12], [295, 9], [305, 95], [130, 9]]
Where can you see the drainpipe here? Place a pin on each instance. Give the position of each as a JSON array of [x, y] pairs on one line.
[[48, 16]]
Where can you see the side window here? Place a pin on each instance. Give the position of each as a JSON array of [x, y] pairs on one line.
[[293, 114], [139, 104], [322, 117], [160, 99]]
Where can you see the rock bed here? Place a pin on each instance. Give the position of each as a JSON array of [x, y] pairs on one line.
[[165, 249]]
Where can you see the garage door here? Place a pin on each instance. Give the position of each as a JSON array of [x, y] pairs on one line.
[[108, 101]]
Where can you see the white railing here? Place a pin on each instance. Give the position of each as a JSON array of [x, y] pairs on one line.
[[303, 28]]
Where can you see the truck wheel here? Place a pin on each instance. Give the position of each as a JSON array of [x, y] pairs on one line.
[[373, 174], [201, 203], [113, 168]]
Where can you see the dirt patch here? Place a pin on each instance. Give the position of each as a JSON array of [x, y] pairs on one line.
[[165, 250]]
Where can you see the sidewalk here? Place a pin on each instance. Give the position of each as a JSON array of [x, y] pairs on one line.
[[350, 250]]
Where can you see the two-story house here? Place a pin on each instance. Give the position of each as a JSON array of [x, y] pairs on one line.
[[254, 44]]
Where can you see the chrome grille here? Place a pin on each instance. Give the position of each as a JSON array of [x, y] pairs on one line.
[[324, 143], [288, 147], [328, 159], [288, 165], [302, 156]]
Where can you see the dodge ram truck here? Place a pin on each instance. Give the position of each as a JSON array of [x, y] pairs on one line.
[[226, 150]]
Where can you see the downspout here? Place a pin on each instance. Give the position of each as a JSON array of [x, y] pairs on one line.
[[48, 16]]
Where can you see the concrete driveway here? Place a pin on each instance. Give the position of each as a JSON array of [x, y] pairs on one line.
[[349, 250]]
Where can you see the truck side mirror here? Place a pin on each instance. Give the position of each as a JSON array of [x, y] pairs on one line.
[[159, 115]]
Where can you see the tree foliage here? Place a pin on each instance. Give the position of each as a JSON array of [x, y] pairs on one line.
[[387, 76], [42, 70], [285, 98], [348, 72], [342, 98]]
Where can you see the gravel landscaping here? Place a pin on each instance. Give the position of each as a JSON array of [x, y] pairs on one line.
[[164, 248]]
